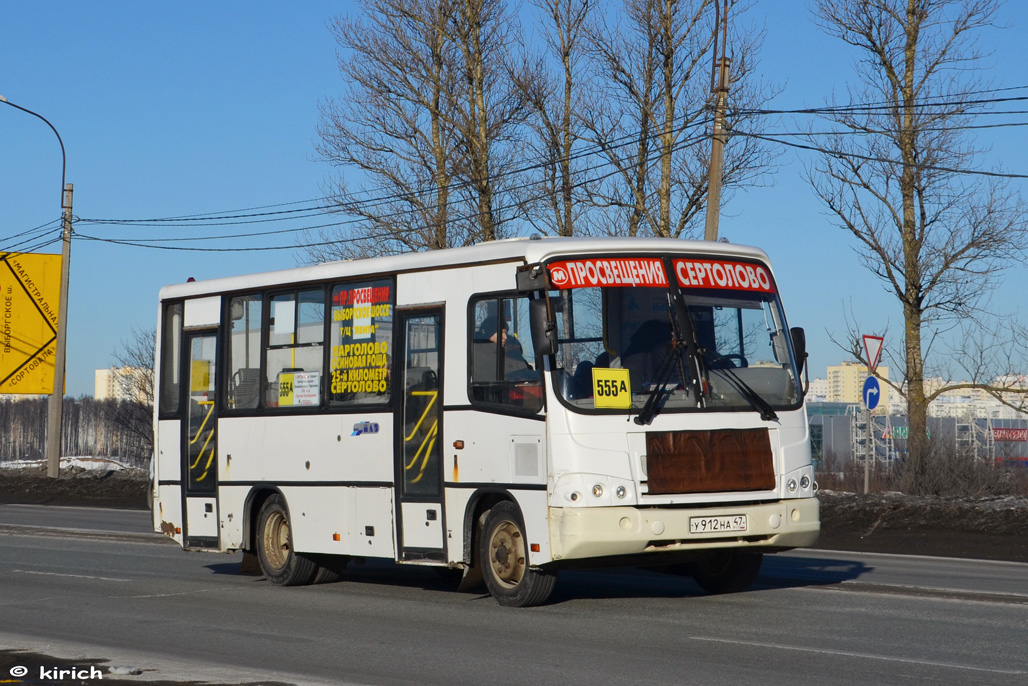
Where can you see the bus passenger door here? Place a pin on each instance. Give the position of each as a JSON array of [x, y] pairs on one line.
[[418, 453], [200, 442]]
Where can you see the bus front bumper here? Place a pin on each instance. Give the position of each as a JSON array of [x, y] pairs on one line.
[[586, 532]]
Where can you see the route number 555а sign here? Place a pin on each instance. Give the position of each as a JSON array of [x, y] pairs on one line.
[[612, 388]]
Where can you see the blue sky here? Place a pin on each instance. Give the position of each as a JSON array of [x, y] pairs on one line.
[[183, 108]]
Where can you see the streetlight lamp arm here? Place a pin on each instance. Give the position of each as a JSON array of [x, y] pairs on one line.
[[64, 157]]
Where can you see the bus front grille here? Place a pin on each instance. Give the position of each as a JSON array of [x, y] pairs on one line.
[[714, 461]]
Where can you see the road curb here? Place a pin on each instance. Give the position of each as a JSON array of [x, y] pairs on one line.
[[60, 532]]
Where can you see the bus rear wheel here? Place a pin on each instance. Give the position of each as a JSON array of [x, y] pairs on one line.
[[503, 554], [726, 571], [280, 564]]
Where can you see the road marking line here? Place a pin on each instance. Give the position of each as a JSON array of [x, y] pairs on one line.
[[170, 595], [866, 656], [74, 576]]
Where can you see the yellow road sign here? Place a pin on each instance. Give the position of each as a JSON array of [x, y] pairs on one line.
[[30, 288]]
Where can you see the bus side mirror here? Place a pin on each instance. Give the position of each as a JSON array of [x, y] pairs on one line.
[[544, 329], [799, 345]]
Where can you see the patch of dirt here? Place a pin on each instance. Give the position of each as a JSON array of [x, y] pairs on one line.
[[119, 488], [994, 528], [980, 528]]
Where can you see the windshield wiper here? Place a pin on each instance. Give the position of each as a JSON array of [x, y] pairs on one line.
[[683, 340], [667, 364], [755, 400]]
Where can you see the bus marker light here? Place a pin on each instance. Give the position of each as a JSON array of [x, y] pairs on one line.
[[534, 547], [178, 529], [335, 537], [459, 445]]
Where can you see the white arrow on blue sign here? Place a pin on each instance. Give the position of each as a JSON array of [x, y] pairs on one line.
[[872, 393]]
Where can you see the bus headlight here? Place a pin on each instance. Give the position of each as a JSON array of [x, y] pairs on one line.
[[805, 482], [620, 492], [791, 485], [598, 490]]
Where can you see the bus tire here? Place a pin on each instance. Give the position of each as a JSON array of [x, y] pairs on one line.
[[503, 553], [726, 571], [280, 564]]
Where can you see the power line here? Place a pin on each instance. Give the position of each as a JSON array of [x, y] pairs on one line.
[[214, 219], [146, 243], [842, 154], [40, 228], [319, 206]]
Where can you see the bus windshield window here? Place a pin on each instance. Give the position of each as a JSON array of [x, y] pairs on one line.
[[619, 341]]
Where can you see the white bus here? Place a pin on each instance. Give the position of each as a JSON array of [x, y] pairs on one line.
[[507, 409]]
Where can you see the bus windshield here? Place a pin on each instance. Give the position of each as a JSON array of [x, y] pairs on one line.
[[620, 345]]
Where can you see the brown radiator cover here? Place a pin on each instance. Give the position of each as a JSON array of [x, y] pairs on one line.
[[709, 461]]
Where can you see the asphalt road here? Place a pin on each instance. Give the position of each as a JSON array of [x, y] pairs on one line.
[[815, 617]]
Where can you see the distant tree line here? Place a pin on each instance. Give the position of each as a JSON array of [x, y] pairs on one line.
[[99, 428]]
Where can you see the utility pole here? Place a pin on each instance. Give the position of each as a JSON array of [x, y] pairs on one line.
[[719, 86], [717, 153], [56, 410]]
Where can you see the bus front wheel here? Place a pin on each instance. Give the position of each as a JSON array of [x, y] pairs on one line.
[[726, 571], [503, 554], [280, 564]]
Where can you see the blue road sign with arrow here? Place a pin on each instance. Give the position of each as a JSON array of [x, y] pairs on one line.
[[872, 393]]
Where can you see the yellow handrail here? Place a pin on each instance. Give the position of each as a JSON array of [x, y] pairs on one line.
[[204, 422]]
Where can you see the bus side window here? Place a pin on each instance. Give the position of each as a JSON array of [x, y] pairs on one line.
[[501, 361], [360, 336], [295, 352], [171, 341], [244, 353]]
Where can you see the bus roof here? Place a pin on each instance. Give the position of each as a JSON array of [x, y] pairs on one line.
[[523, 250]]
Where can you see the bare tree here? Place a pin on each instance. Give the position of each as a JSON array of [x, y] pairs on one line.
[[493, 106], [394, 130], [133, 415], [421, 126], [556, 200], [895, 174], [653, 110]]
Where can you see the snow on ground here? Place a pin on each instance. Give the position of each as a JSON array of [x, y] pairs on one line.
[[105, 464]]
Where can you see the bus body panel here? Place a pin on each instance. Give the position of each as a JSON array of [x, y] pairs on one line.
[[167, 511], [312, 449], [498, 449], [581, 533], [168, 466]]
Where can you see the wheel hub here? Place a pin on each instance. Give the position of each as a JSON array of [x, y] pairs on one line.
[[508, 556], [502, 554]]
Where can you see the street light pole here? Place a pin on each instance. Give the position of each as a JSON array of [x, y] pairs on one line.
[[56, 410], [719, 87]]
